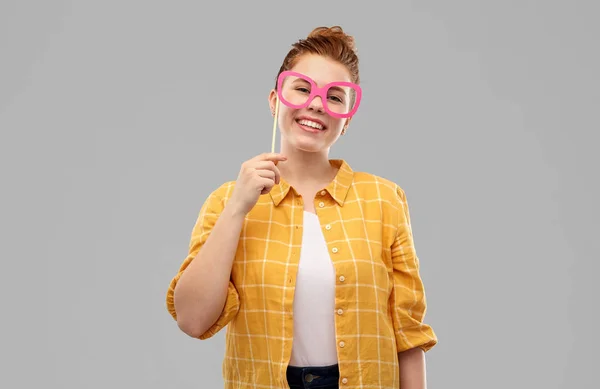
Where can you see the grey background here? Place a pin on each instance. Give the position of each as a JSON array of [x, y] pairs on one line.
[[118, 118]]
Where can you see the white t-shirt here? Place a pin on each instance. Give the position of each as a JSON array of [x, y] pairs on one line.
[[314, 300]]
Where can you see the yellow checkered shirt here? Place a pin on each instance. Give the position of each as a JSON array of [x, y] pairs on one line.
[[379, 295]]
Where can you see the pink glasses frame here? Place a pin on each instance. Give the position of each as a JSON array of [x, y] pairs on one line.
[[321, 92]]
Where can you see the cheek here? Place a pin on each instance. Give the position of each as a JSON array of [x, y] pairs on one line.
[[286, 117], [336, 124]]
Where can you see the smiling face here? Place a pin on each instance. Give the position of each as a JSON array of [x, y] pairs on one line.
[[311, 129]]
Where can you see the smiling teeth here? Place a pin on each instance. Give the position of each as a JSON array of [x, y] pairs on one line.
[[309, 123]]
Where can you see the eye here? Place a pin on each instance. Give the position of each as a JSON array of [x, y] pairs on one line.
[[336, 99], [302, 89]]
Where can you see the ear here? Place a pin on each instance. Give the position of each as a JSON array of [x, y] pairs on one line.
[[347, 122], [345, 128], [272, 100]]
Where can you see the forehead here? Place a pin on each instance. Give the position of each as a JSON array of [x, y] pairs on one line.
[[321, 69]]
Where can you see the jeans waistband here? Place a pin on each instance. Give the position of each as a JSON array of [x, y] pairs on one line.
[[314, 377]]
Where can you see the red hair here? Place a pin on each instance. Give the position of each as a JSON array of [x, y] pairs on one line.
[[330, 42]]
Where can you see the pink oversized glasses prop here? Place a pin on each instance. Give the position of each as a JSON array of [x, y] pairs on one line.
[[315, 91]]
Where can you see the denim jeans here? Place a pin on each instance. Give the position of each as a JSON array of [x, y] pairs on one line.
[[325, 377]]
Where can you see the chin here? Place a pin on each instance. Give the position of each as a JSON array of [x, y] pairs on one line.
[[311, 149], [309, 146]]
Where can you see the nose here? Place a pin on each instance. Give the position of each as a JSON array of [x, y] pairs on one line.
[[316, 104]]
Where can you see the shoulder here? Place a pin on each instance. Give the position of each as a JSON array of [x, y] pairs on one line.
[[370, 185], [224, 190], [218, 195]]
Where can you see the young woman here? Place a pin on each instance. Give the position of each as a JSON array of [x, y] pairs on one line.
[[309, 264]]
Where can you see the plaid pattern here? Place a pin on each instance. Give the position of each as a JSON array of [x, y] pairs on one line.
[[380, 300]]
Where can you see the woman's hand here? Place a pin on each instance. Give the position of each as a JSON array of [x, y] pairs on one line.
[[257, 177]]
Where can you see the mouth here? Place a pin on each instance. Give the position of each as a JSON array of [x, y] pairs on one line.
[[311, 125]]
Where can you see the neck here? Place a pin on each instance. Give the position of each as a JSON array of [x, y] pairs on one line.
[[306, 168]]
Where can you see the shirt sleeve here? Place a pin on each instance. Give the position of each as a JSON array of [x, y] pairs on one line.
[[408, 297], [209, 213]]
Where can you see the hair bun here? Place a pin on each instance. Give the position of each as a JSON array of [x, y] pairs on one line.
[[335, 32]]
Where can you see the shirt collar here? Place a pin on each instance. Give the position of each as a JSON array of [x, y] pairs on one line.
[[337, 189]]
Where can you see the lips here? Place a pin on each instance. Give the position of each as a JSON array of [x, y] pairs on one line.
[[311, 124]]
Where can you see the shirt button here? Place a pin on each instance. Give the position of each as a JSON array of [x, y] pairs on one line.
[[344, 381], [342, 344], [342, 278], [323, 193], [335, 250], [321, 204], [328, 227], [340, 311]]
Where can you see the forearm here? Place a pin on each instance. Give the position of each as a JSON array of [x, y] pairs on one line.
[[201, 291], [412, 369]]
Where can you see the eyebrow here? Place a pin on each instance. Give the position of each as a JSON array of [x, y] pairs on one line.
[[334, 88], [338, 89], [300, 80]]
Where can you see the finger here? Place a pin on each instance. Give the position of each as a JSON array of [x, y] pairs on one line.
[[267, 184], [264, 165], [266, 173], [269, 165], [274, 157]]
